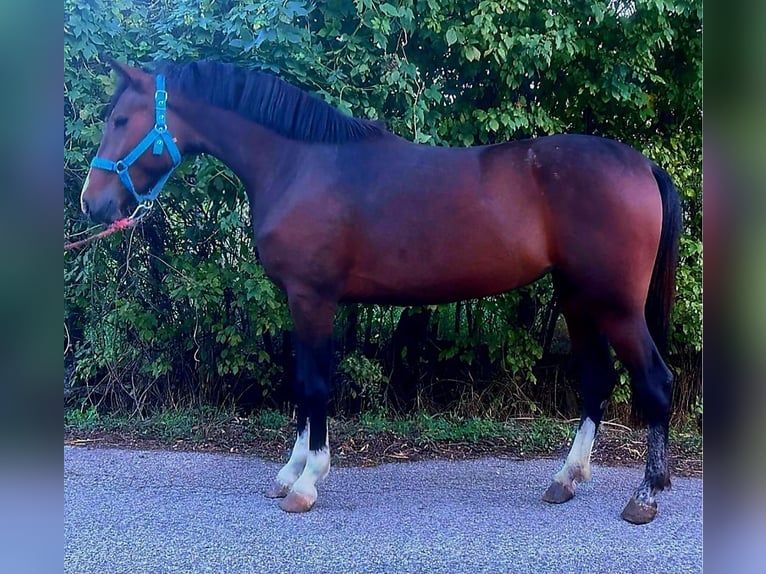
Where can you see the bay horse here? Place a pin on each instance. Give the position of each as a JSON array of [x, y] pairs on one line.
[[343, 210]]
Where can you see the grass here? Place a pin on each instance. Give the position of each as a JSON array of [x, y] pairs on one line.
[[687, 438], [201, 424], [88, 420], [368, 439], [192, 424], [540, 434]]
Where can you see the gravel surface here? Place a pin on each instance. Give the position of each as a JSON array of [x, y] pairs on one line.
[[156, 511]]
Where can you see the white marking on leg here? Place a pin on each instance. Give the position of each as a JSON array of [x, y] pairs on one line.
[[82, 193], [577, 466], [316, 469], [290, 472]]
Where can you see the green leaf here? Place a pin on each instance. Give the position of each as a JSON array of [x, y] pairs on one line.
[[472, 53], [389, 10]]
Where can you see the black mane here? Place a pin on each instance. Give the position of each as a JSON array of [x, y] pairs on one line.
[[267, 100]]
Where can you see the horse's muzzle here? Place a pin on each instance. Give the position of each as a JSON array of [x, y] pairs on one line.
[[106, 211]]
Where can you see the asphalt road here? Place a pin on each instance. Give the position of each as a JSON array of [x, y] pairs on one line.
[[162, 512]]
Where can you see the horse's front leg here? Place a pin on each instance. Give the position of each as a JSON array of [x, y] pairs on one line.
[[290, 472], [313, 318]]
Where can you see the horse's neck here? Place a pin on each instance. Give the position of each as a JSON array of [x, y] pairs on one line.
[[256, 155]]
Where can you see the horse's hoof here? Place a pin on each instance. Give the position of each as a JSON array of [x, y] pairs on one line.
[[297, 502], [277, 490], [637, 513], [558, 493]]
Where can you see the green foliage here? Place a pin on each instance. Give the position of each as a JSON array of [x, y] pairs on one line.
[[376, 422], [270, 419], [697, 408], [621, 394], [222, 427], [168, 425], [688, 439], [366, 378], [82, 419], [179, 309], [544, 435], [471, 430], [175, 424], [540, 435], [87, 418]]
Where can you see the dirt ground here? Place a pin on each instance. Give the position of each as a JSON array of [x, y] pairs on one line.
[[350, 446]]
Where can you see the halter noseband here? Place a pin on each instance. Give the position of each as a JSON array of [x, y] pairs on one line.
[[159, 138]]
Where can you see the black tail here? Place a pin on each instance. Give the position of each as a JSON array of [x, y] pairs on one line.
[[663, 284]]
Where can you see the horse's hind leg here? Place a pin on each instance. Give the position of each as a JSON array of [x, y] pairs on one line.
[[651, 383], [597, 378]]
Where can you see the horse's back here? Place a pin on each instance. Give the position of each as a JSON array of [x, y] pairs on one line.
[[395, 222], [441, 224]]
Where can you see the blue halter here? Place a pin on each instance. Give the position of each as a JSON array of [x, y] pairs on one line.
[[159, 138]]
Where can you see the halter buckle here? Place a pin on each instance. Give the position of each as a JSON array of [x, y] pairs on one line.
[[141, 210]]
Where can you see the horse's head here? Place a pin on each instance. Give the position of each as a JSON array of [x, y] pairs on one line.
[[137, 151]]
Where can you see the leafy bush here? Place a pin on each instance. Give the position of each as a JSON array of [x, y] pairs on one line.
[[179, 310], [366, 380]]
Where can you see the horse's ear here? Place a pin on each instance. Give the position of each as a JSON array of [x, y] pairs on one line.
[[137, 78]]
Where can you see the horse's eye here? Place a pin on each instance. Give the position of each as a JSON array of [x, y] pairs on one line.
[[121, 121]]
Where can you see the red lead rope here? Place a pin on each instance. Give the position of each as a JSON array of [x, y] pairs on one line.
[[141, 211], [119, 225]]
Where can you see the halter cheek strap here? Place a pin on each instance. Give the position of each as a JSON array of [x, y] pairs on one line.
[[158, 138]]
